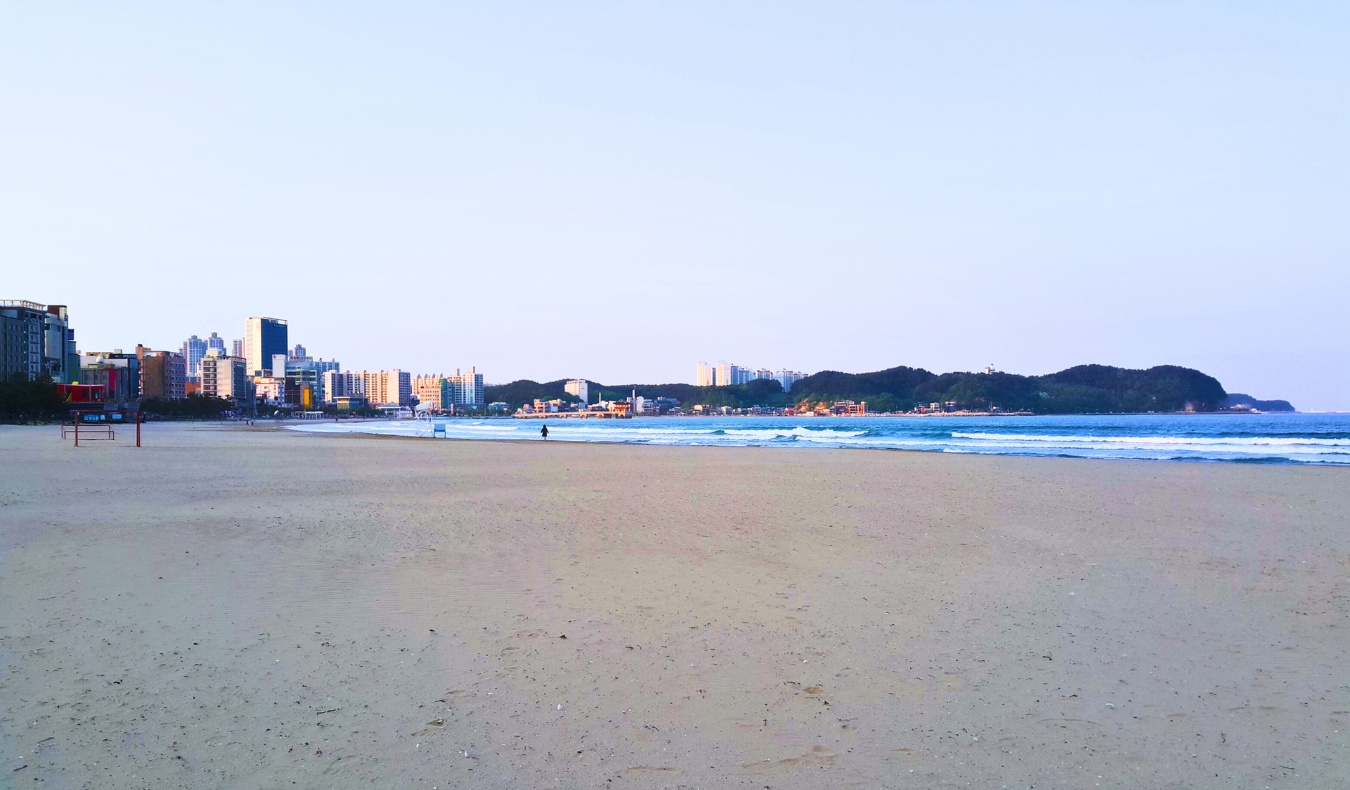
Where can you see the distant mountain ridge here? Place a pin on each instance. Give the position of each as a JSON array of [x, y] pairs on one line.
[[1084, 389]]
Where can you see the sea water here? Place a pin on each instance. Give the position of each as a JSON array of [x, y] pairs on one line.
[[1247, 438]]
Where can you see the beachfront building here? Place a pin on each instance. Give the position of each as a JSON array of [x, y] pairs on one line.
[[579, 388], [163, 374], [36, 341], [379, 388], [226, 377], [464, 390], [263, 338], [848, 408], [337, 384], [428, 390]]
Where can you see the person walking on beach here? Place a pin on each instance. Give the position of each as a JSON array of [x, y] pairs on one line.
[[544, 432]]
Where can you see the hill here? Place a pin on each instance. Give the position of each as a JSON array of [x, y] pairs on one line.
[[1237, 400], [1077, 390]]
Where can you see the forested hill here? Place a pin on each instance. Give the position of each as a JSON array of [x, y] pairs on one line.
[[1077, 390]]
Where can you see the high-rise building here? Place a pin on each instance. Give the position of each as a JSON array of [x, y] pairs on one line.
[[725, 374], [728, 374], [215, 341], [464, 390], [237, 348], [379, 388], [337, 384], [194, 348], [226, 377], [36, 340], [263, 337], [163, 374], [299, 351], [788, 377], [579, 388]]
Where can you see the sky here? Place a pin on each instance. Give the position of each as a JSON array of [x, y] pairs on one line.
[[618, 191]]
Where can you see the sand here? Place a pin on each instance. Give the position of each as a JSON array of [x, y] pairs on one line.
[[258, 608]]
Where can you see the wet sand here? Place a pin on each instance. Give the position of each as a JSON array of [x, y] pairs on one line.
[[244, 608]]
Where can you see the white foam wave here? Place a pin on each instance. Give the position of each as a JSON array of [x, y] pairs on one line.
[[892, 436]]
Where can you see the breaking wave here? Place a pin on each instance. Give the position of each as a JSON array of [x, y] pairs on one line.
[[1300, 439]]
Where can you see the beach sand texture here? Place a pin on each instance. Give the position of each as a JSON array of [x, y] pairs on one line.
[[258, 608]]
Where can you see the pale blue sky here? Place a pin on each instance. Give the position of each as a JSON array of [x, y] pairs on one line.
[[618, 191]]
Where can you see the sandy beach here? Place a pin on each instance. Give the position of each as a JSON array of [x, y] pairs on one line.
[[247, 608]]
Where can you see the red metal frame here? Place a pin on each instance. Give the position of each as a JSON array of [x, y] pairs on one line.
[[106, 429]]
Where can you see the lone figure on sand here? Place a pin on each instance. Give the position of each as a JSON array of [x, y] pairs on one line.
[[543, 431]]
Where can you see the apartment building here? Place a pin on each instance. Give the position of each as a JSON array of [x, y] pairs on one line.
[[163, 374], [379, 388], [226, 377]]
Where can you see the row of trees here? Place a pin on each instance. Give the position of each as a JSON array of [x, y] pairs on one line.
[[24, 400]]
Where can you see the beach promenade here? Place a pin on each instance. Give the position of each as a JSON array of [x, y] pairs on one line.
[[234, 607]]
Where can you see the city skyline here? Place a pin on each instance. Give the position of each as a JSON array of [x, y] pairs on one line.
[[1032, 186]]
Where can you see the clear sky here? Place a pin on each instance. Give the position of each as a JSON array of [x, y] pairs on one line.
[[619, 190]]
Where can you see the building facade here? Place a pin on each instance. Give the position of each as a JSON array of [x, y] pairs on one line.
[[707, 375], [226, 377], [788, 377], [194, 348], [163, 374], [119, 374], [464, 390], [263, 338], [428, 391], [728, 374], [379, 388], [36, 341]]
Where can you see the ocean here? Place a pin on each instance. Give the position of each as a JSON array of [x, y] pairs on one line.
[[1243, 438]]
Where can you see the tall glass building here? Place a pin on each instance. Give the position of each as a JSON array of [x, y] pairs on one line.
[[263, 337]]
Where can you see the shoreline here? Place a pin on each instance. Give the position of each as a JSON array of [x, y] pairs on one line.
[[1054, 437]]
